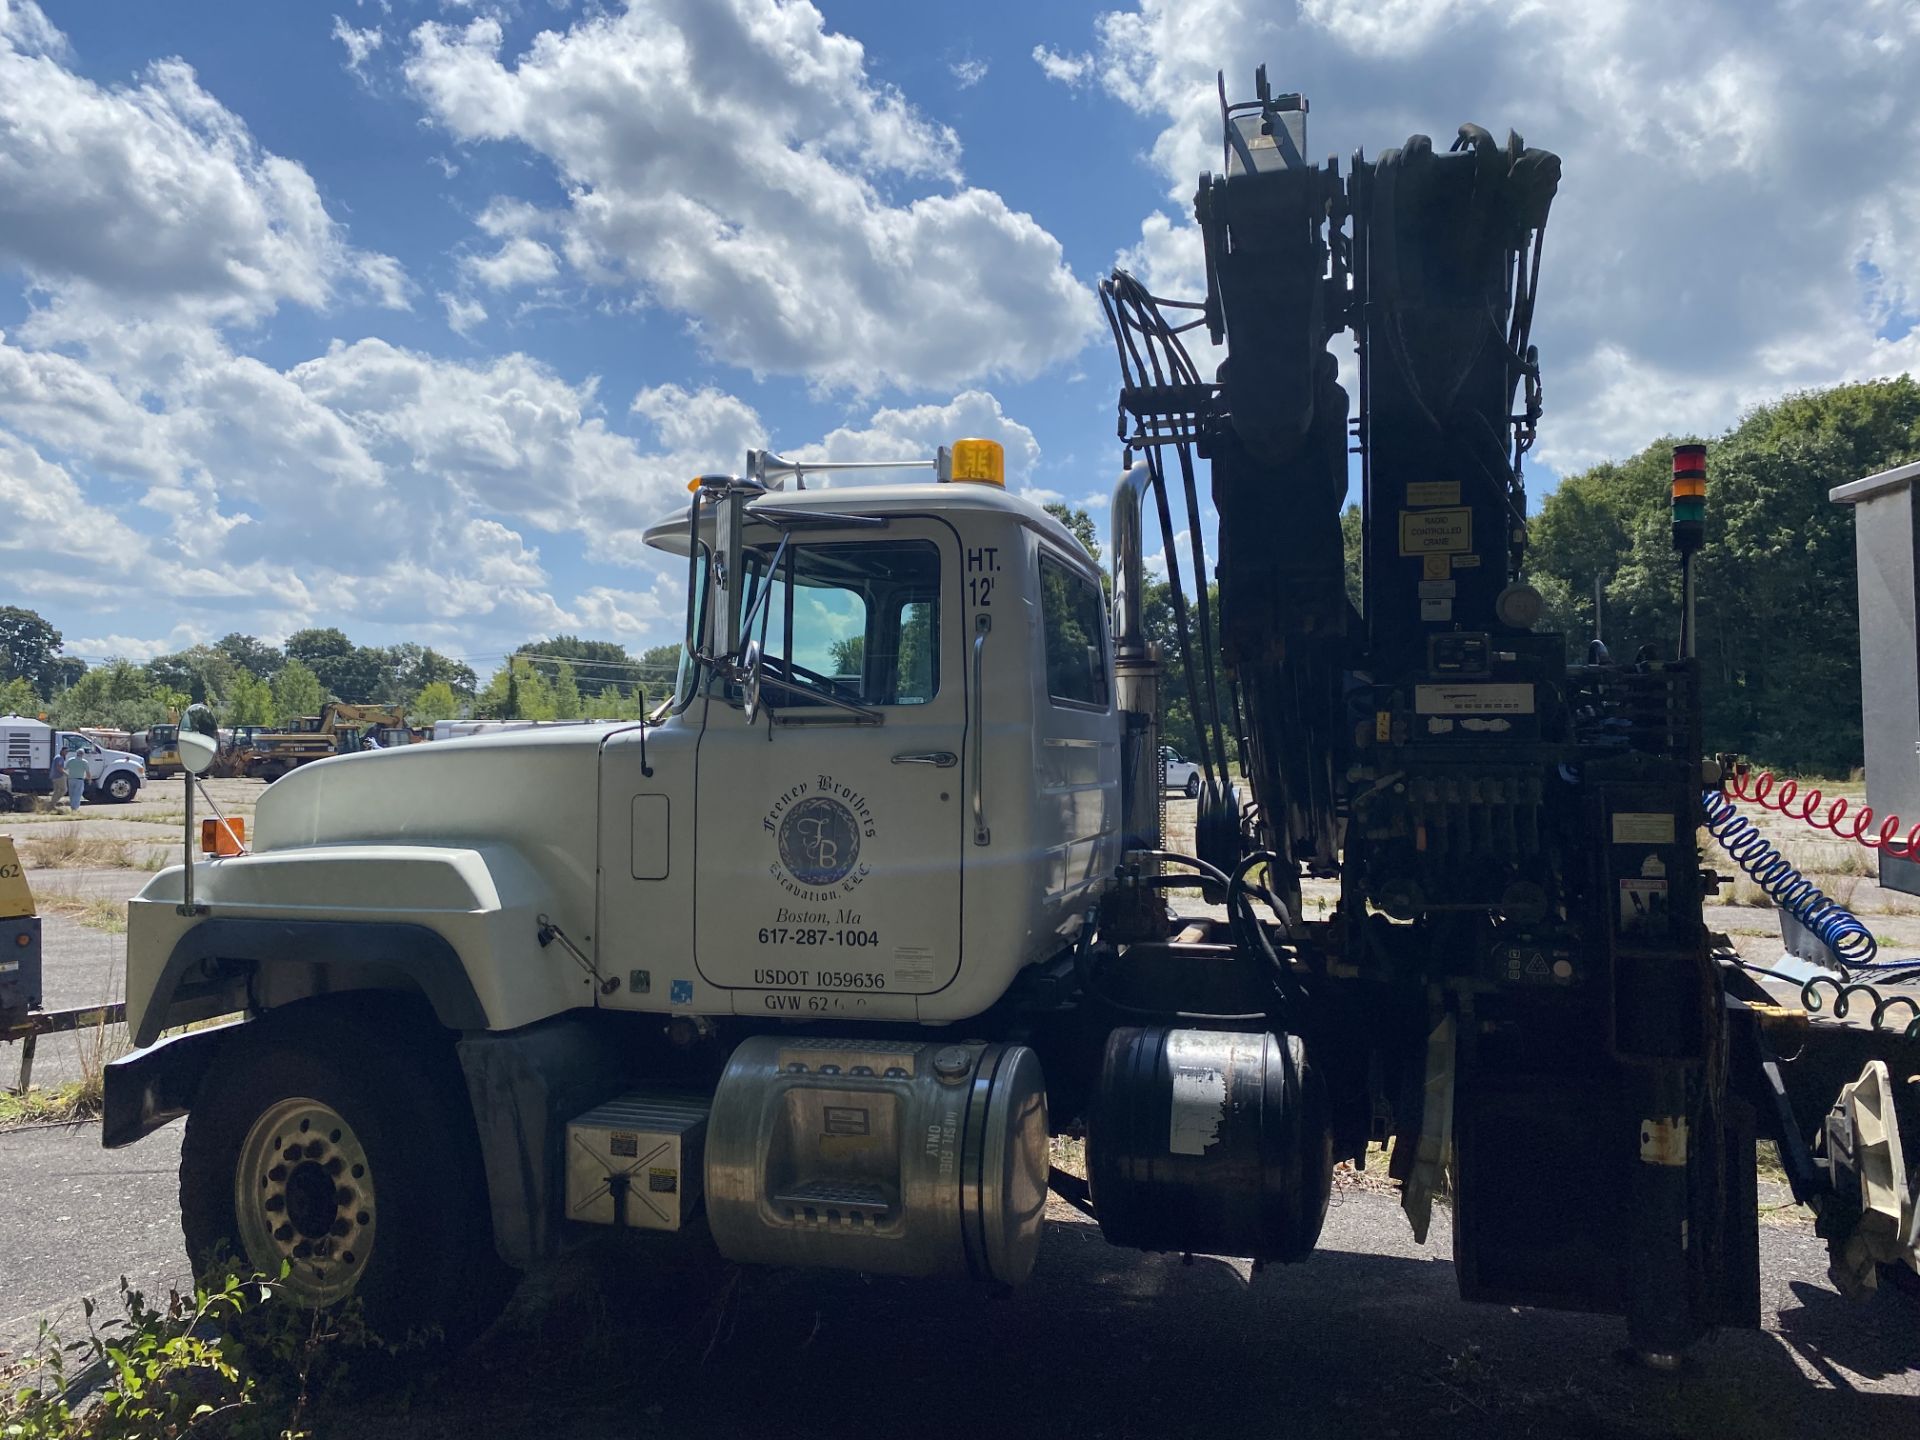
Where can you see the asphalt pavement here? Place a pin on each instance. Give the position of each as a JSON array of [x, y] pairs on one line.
[[646, 1337], [1368, 1336]]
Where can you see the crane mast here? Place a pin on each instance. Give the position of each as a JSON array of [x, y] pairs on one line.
[[1513, 836]]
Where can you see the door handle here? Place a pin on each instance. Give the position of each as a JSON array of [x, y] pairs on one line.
[[945, 759], [982, 625]]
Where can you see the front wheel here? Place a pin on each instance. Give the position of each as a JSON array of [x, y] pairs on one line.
[[120, 787], [1193, 787], [344, 1150]]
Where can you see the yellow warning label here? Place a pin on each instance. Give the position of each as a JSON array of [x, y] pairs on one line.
[[1433, 567], [1436, 532], [1434, 492], [1383, 726], [15, 897]]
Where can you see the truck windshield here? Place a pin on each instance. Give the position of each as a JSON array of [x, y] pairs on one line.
[[687, 679]]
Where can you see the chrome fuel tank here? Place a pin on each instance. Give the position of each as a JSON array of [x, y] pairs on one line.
[[885, 1156]]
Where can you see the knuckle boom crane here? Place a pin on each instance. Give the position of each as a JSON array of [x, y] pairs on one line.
[[1517, 980]]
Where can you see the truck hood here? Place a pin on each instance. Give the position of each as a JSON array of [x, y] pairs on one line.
[[537, 789]]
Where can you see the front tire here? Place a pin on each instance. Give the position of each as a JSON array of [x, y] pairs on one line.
[[1193, 787], [120, 787], [341, 1145]]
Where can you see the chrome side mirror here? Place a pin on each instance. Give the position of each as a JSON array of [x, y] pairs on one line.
[[750, 680], [197, 746]]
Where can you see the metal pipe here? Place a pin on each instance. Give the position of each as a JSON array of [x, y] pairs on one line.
[[1129, 563], [1136, 670]]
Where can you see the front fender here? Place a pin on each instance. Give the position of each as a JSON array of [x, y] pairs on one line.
[[459, 926]]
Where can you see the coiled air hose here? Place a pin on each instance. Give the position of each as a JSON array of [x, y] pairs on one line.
[[1836, 926]]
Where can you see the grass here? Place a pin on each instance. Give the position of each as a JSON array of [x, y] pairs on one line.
[[73, 850], [96, 912], [67, 1104]]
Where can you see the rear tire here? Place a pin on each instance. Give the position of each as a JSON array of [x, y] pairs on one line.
[[340, 1142]]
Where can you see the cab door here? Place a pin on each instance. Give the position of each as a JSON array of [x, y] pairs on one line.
[[831, 828]]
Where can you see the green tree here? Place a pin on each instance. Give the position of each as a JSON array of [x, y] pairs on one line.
[[436, 701], [598, 665], [1079, 522], [256, 657], [515, 692], [1353, 541], [249, 700], [118, 695], [296, 693], [355, 673], [566, 694], [659, 665], [18, 697], [1777, 600], [204, 673], [27, 646], [849, 655], [415, 667]]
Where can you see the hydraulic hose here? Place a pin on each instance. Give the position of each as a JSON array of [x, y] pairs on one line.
[[1836, 926], [1839, 817]]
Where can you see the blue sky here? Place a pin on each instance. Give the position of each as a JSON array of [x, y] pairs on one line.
[[409, 317]]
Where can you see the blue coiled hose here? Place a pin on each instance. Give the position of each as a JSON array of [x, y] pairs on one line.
[[1825, 917]]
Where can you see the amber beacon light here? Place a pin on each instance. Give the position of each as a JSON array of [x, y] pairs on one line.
[[981, 461]]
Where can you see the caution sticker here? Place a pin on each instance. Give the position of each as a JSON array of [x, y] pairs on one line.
[[1469, 699], [1436, 532], [1434, 492], [1433, 567]]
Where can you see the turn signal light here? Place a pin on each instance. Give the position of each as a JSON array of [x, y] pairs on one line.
[[223, 837], [982, 461]]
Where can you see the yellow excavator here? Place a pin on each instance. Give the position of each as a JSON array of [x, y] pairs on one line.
[[339, 729]]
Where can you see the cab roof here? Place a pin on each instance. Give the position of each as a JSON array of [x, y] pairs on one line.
[[925, 497]]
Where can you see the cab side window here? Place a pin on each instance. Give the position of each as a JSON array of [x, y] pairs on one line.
[[1074, 615], [858, 621]]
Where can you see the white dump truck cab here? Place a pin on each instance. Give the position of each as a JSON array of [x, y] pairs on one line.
[[771, 961]]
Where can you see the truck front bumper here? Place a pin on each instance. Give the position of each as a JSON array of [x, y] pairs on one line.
[[146, 1089]]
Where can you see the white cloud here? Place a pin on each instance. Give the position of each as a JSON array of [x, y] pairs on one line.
[[463, 312], [1072, 71], [360, 43], [968, 72], [153, 195], [915, 432], [1730, 223], [521, 261], [770, 211]]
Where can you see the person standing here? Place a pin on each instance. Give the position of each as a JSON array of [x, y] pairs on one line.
[[76, 777]]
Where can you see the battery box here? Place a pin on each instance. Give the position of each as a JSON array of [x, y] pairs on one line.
[[636, 1161]]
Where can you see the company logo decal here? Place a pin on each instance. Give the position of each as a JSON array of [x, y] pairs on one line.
[[819, 841], [818, 828]]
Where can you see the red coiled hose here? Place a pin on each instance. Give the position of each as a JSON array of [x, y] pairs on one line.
[[1839, 818]]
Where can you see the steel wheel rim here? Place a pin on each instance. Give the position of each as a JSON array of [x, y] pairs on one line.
[[303, 1196]]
